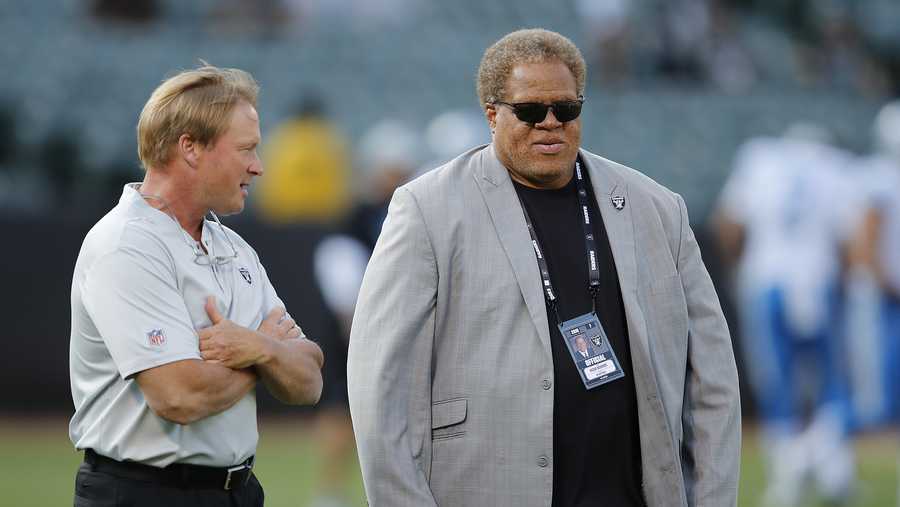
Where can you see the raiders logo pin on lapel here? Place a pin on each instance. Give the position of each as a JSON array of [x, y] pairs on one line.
[[618, 202]]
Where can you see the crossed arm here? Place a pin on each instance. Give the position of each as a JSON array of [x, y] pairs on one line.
[[186, 391], [288, 364], [235, 358]]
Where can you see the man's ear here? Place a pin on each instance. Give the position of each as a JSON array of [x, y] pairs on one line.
[[490, 112], [189, 150]]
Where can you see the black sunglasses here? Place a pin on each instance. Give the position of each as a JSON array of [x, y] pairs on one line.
[[535, 112]]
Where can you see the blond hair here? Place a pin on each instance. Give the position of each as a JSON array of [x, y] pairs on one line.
[[195, 102], [534, 45]]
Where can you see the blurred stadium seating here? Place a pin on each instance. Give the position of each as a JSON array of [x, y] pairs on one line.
[[68, 69]]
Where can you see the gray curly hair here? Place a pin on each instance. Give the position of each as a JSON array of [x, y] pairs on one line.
[[532, 45]]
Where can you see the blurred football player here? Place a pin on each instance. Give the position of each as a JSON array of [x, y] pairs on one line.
[[781, 217]]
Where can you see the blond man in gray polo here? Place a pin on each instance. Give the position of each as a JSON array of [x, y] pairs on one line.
[[174, 320]]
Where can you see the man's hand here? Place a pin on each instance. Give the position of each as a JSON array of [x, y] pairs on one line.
[[231, 345], [289, 367], [279, 325]]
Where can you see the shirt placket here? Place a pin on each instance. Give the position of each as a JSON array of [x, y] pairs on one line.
[[219, 272]]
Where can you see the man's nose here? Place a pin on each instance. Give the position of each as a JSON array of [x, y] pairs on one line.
[[549, 122], [256, 168]]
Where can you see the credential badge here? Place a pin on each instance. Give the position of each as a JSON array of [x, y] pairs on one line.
[[156, 337], [618, 202], [246, 275]]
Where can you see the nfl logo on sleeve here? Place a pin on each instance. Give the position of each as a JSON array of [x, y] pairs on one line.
[[156, 337]]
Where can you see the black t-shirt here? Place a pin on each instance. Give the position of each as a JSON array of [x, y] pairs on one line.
[[596, 444]]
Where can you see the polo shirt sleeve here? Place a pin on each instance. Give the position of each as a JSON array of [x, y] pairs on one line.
[[133, 299]]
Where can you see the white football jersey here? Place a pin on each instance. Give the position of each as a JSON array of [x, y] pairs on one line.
[[797, 205], [881, 176]]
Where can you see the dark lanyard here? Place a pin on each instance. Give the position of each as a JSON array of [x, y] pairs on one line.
[[589, 243]]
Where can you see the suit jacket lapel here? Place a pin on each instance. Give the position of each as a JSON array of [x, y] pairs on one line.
[[619, 223], [656, 434], [509, 223]]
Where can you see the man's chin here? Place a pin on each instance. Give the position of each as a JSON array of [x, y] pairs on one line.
[[552, 171], [232, 209], [554, 164]]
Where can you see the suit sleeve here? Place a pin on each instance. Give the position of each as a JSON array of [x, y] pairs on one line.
[[389, 361], [711, 447]]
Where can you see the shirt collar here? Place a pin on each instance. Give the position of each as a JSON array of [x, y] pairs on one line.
[[131, 197]]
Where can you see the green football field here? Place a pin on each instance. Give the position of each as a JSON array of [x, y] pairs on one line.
[[38, 465]]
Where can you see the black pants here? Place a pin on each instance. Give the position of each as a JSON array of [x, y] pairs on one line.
[[101, 489]]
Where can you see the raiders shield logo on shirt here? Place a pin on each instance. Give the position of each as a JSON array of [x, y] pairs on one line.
[[246, 274]]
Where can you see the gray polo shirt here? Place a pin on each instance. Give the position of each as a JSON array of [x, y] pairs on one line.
[[138, 296]]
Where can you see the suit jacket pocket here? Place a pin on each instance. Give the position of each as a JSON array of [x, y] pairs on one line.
[[447, 418]]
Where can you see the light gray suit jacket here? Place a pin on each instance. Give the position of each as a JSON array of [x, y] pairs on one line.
[[450, 367]]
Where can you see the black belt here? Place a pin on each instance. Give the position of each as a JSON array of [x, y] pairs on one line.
[[180, 475]]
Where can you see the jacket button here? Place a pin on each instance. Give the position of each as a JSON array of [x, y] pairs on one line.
[[546, 384], [542, 461]]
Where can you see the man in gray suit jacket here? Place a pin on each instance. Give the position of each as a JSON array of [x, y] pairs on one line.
[[462, 389]]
